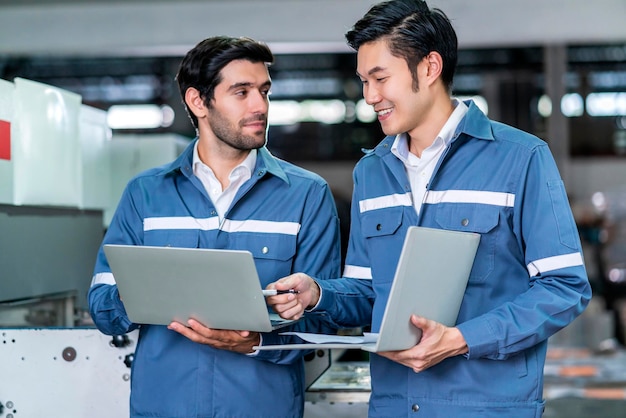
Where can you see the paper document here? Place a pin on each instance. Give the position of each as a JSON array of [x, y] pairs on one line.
[[342, 339]]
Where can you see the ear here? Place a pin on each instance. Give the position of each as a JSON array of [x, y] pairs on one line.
[[195, 102], [434, 66]]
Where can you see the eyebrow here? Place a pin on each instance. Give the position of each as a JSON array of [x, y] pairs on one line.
[[247, 84], [372, 71]]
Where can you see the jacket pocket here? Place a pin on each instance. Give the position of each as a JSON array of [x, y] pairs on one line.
[[273, 253], [482, 219], [380, 229], [568, 234], [381, 223], [267, 246]]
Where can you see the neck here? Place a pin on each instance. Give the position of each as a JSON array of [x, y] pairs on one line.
[[423, 135], [221, 158]]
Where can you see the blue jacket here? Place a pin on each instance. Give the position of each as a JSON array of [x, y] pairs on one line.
[[283, 208], [528, 280]]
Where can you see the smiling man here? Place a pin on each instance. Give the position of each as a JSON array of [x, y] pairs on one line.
[[445, 165], [225, 191]]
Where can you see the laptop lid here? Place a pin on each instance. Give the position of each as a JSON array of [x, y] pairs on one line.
[[219, 288], [430, 281]]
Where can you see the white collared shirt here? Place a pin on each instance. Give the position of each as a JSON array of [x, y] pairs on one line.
[[420, 169], [222, 199]]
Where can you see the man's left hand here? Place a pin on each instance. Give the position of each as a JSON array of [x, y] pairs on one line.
[[437, 344], [238, 341]]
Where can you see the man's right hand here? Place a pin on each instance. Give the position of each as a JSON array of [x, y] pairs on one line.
[[292, 305]]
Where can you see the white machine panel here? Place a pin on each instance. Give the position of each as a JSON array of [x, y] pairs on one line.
[[64, 373]]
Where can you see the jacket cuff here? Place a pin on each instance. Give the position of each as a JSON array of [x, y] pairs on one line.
[[327, 298], [480, 339]]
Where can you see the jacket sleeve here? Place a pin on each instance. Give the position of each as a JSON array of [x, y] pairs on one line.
[[106, 309], [558, 289]]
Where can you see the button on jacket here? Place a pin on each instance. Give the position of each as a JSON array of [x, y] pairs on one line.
[[286, 217], [528, 280]]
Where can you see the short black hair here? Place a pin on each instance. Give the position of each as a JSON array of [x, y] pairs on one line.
[[412, 30], [201, 67]]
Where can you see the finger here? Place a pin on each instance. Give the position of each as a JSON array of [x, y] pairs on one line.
[[285, 303], [298, 281], [420, 321], [183, 330], [292, 313], [281, 284], [199, 328], [278, 300], [243, 334], [289, 282]]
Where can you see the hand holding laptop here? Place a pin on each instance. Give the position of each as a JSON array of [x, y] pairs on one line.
[[438, 342], [232, 340]]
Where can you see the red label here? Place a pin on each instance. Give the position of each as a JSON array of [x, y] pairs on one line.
[[5, 140]]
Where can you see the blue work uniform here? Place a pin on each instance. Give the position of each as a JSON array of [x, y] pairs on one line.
[[286, 217], [528, 280]]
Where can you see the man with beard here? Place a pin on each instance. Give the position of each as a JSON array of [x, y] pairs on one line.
[[225, 191]]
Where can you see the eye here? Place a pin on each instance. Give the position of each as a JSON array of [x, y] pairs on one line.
[[381, 79], [266, 92]]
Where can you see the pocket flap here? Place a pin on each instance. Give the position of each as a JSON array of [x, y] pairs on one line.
[[468, 217], [381, 222]]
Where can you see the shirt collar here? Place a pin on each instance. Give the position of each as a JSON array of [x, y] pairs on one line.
[[264, 162], [248, 163]]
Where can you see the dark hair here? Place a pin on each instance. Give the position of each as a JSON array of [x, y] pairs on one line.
[[201, 67], [412, 31]]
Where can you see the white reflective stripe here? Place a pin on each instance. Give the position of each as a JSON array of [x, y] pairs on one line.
[[385, 202], [357, 272], [103, 278], [205, 224], [555, 263], [268, 227], [181, 222], [470, 196]]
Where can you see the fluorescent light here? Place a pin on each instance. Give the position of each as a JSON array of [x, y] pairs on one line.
[[544, 106], [606, 104], [284, 112], [572, 105], [364, 112], [289, 112], [143, 116], [325, 111]]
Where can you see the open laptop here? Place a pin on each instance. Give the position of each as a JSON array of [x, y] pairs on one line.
[[430, 281], [219, 288]]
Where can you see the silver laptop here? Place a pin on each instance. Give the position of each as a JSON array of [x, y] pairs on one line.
[[219, 288], [430, 281]]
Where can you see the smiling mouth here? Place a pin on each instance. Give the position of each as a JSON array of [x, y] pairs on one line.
[[383, 112]]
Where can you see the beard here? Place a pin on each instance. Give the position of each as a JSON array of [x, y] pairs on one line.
[[231, 133]]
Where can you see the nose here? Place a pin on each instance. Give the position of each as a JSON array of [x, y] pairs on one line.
[[259, 102], [371, 94]]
